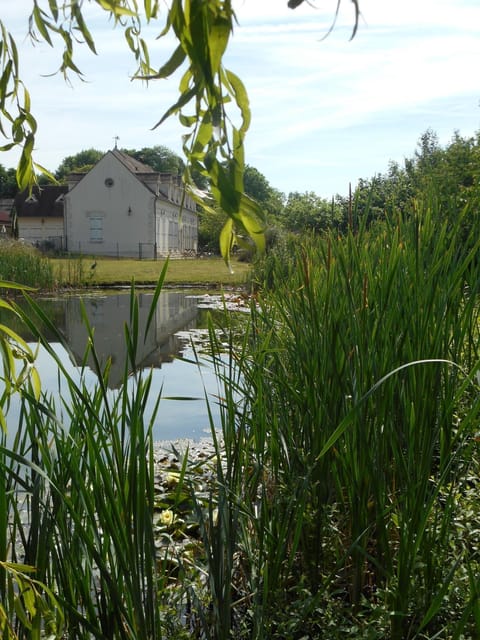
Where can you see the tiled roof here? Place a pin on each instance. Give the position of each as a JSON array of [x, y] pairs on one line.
[[44, 202], [135, 166]]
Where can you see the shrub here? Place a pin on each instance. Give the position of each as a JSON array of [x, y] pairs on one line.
[[23, 264]]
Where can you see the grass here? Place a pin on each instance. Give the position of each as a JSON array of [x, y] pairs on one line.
[[107, 272], [25, 265]]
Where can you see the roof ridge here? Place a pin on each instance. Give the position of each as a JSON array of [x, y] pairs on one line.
[[134, 165]]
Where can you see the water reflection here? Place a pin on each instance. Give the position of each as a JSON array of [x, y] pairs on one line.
[[108, 314]]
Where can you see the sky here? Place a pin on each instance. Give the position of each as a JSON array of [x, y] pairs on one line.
[[325, 111]]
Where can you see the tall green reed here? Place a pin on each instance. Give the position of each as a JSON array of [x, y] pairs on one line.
[[72, 272], [26, 266], [85, 471], [357, 491]]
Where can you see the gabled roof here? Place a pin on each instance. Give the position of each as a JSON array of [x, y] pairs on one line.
[[44, 202], [150, 178], [140, 171], [133, 165]]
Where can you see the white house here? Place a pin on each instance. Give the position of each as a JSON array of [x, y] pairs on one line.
[[122, 207]]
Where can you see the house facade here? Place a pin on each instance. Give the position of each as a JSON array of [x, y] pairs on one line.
[[40, 216], [122, 207]]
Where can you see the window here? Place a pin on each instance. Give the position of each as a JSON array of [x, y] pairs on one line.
[[96, 229]]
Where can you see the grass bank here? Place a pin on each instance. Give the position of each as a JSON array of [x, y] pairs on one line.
[[98, 272]]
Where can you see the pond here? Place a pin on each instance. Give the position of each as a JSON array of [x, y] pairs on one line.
[[179, 317]]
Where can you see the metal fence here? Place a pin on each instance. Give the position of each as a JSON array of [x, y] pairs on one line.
[[51, 244], [147, 251], [142, 251]]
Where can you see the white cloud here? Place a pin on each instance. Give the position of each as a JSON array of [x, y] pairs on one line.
[[408, 57], [330, 107]]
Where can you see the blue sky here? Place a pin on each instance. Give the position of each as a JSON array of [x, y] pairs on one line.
[[325, 112]]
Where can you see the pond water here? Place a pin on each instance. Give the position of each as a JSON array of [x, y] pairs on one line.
[[178, 317]]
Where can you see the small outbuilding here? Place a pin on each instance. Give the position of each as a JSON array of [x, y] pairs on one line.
[[40, 216]]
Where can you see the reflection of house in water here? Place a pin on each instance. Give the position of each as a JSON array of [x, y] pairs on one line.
[[108, 315]]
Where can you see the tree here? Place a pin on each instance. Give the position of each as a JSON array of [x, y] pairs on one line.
[[309, 212], [384, 194], [212, 104], [159, 158], [259, 188], [81, 161], [210, 226], [452, 172], [450, 175], [8, 183]]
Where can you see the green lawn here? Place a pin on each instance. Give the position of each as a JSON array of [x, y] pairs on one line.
[[105, 271]]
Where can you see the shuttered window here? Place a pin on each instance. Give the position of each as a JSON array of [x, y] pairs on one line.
[[96, 229]]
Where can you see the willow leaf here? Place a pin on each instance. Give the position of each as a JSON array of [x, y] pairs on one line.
[[68, 63], [25, 174], [41, 24], [83, 28], [53, 9], [241, 98], [203, 136], [251, 218], [14, 53], [222, 188], [27, 103], [115, 9], [4, 80], [237, 165], [45, 172], [217, 43], [184, 84], [176, 60], [151, 9], [226, 242], [187, 121], [183, 100]]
